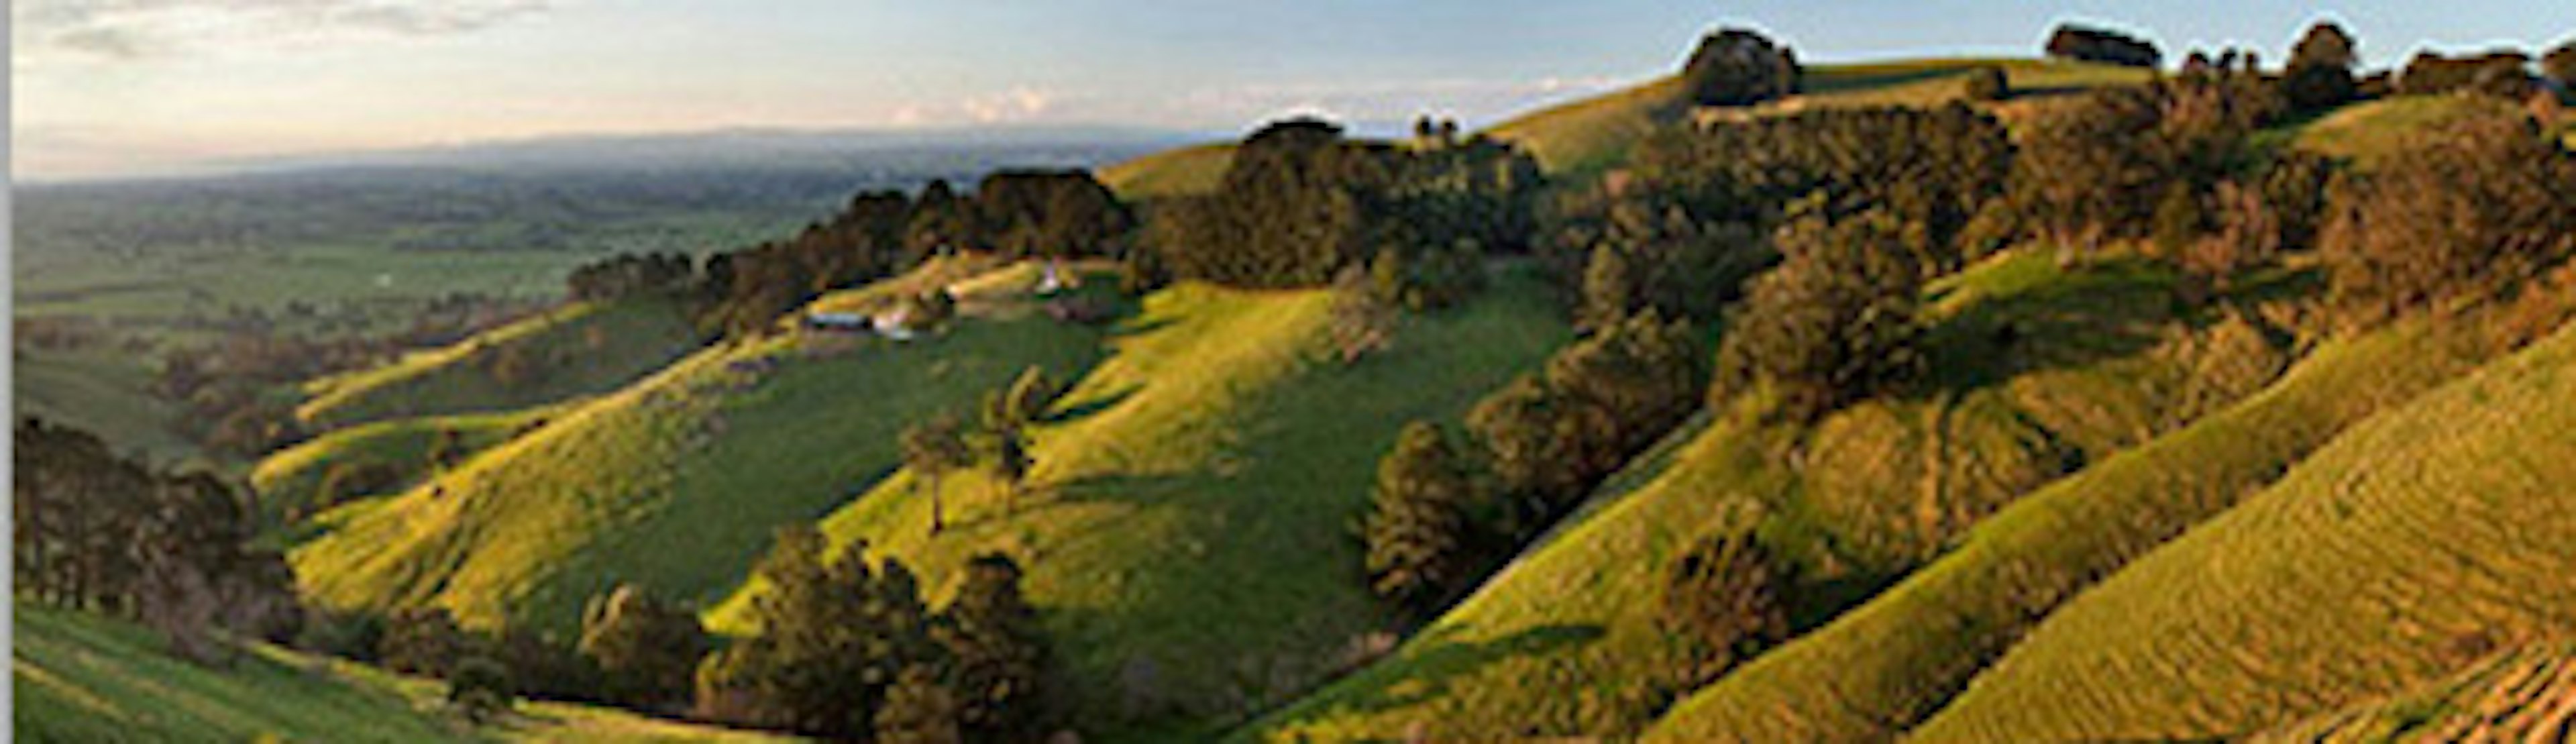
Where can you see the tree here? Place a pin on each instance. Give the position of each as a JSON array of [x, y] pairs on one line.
[[919, 709], [1988, 84], [1420, 531], [646, 649], [1739, 67], [421, 640], [998, 651], [1363, 321], [2072, 41], [1609, 290], [2248, 235], [1722, 600], [1833, 324], [2178, 219], [834, 636], [2560, 65], [480, 687], [2320, 73], [932, 449], [1011, 465], [1030, 395]]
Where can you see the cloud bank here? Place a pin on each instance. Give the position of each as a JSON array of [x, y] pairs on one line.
[[129, 30]]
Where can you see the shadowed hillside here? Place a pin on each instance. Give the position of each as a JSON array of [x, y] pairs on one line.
[[578, 350]]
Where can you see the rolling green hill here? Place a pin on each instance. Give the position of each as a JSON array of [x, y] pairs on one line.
[[1564, 642], [1887, 665], [2406, 549], [1588, 136], [78, 678], [99, 390], [675, 481], [579, 349], [290, 482], [1189, 528]]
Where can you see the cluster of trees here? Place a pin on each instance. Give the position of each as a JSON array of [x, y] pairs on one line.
[[942, 444], [1300, 203], [1016, 213], [631, 275], [1442, 509], [849, 650], [2097, 170], [1724, 601], [2472, 215], [1932, 169], [2505, 73], [2089, 44], [1834, 323], [95, 531], [1739, 67]]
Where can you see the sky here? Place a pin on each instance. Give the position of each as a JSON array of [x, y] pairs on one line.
[[104, 88]]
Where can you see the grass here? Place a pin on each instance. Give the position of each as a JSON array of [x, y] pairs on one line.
[[2516, 695], [81, 678], [674, 482], [1189, 526], [1889, 664], [289, 481], [1179, 172], [2366, 132], [1563, 642], [579, 349], [103, 391], [2394, 556]]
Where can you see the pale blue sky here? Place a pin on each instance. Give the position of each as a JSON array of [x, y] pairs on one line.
[[126, 86]]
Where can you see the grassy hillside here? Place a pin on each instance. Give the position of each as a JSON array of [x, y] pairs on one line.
[[1564, 641], [1178, 172], [1584, 137], [100, 390], [2404, 550], [1189, 529], [580, 349], [79, 678], [290, 481], [1888, 664], [2524, 694], [2365, 132], [675, 481]]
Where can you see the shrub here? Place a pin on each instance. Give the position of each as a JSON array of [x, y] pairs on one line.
[[1988, 84], [1722, 602], [645, 649], [421, 640], [480, 688]]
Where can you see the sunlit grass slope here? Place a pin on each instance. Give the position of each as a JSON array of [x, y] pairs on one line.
[[2406, 549], [2521, 695], [82, 679], [675, 482], [2368, 131], [290, 481], [1189, 526], [580, 349], [1564, 641], [79, 678], [1887, 665], [1177, 172]]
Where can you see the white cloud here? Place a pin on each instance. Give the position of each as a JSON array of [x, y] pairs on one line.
[[125, 30]]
